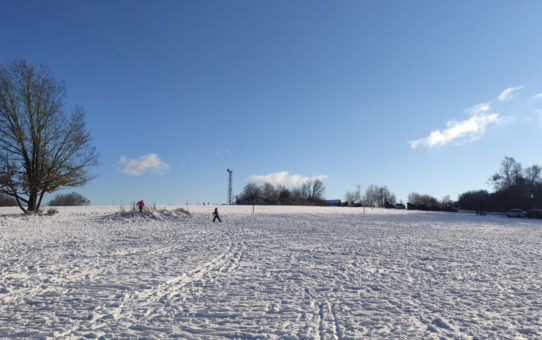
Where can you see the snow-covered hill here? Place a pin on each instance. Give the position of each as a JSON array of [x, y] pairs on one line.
[[282, 273]]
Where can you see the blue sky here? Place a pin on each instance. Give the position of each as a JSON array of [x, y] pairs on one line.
[[425, 96]]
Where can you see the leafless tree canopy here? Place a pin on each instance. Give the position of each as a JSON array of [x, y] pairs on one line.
[[377, 196], [42, 149], [313, 190], [416, 198], [509, 176], [353, 196]]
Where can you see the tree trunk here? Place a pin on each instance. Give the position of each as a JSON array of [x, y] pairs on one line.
[[32, 202], [17, 199], [39, 201]]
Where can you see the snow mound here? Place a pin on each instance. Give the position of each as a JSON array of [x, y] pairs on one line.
[[159, 215]]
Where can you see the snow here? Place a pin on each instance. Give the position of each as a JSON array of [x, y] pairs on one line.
[[281, 273]]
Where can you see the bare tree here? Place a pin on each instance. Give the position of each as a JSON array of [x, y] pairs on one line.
[[252, 193], [358, 193], [416, 198], [474, 200], [350, 196], [284, 194], [269, 193], [413, 198], [376, 196], [446, 201], [318, 190], [509, 176], [370, 199], [41, 148], [313, 190], [533, 175], [305, 191], [296, 196], [353, 196]]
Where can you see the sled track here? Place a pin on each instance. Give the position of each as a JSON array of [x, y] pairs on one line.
[[272, 276], [163, 300], [327, 317], [163, 293]]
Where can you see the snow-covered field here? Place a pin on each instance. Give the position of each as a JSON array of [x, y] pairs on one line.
[[284, 272]]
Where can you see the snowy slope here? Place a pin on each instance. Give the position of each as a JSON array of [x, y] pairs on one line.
[[282, 273]]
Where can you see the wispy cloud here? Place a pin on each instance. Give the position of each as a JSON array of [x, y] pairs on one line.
[[139, 165], [509, 93], [480, 108], [466, 130], [537, 96], [284, 178], [536, 116], [223, 152]]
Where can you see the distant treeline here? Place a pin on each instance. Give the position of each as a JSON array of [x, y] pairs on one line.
[[7, 201], [72, 199], [515, 187], [382, 197], [310, 193]]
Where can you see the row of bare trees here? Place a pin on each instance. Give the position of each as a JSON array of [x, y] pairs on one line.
[[428, 200], [515, 187], [381, 196], [374, 196], [310, 193]]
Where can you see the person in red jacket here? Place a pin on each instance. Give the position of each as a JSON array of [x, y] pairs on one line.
[[140, 204]]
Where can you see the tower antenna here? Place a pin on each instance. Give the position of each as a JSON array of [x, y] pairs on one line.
[[230, 201]]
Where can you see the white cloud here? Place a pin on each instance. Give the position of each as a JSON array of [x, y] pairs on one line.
[[537, 96], [470, 129], [146, 162], [283, 178], [477, 109], [537, 115], [223, 152], [509, 93]]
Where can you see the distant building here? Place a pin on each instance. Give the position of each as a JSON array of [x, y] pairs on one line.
[[333, 202]]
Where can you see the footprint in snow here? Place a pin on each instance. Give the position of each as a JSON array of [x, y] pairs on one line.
[[441, 323]]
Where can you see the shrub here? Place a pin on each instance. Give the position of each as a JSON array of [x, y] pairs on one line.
[[184, 211], [7, 201], [73, 199], [52, 211]]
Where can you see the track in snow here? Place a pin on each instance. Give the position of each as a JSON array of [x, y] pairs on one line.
[[301, 274]]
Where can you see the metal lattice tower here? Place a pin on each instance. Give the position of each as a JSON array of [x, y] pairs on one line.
[[230, 200]]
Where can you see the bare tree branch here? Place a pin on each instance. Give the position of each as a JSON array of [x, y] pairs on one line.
[[41, 148]]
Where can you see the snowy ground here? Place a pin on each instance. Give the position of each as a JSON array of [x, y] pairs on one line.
[[284, 272]]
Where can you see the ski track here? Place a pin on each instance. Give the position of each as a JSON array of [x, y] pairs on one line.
[[283, 273]]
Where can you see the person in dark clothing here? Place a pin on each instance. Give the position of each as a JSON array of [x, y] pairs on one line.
[[215, 214]]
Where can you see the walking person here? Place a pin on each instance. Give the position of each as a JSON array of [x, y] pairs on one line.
[[215, 214], [140, 204]]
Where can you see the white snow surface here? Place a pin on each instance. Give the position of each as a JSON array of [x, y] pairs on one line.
[[281, 273]]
